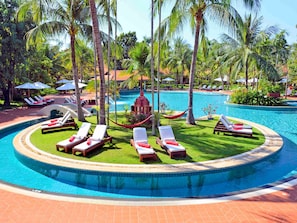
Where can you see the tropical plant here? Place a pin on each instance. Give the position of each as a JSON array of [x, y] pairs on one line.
[[179, 58], [12, 47], [57, 18], [244, 50], [138, 65], [195, 13]]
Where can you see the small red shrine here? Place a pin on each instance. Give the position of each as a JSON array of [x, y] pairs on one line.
[[141, 105]]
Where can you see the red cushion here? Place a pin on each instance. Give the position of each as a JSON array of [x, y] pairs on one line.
[[51, 124], [171, 142], [237, 127], [54, 120], [71, 138], [238, 124], [144, 145], [89, 141]]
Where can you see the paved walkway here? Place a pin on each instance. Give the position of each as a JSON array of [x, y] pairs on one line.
[[21, 206]]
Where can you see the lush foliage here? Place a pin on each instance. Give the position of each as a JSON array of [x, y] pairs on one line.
[[252, 97]]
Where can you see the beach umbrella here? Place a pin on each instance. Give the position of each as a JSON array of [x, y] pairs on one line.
[[70, 86], [283, 81], [168, 79], [225, 79], [41, 85], [241, 80], [253, 80], [28, 86], [63, 81]]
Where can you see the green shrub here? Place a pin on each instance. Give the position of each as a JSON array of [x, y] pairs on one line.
[[243, 96]]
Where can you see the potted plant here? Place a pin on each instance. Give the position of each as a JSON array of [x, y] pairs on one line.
[[209, 111]]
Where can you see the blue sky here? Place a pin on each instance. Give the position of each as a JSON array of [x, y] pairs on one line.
[[134, 15]]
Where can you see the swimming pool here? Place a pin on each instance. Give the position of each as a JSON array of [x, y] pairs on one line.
[[278, 167]]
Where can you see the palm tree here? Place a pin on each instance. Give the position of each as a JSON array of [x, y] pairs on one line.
[[244, 50], [57, 18], [195, 12], [138, 65], [179, 58], [97, 40]]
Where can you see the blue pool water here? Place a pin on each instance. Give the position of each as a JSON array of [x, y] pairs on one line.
[[278, 167]]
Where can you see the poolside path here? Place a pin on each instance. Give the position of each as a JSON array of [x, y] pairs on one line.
[[276, 207]]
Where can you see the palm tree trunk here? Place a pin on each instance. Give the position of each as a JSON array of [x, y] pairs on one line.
[[190, 116], [80, 114], [246, 74], [98, 46]]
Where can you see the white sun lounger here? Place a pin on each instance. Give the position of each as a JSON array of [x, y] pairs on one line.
[[168, 142], [81, 135], [223, 126], [141, 145], [61, 124], [234, 124], [96, 140]]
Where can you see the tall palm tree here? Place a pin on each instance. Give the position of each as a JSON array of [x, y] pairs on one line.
[[243, 50], [57, 18], [195, 12], [99, 54]]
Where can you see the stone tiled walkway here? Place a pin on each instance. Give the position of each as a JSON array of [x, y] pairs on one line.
[[19, 206]]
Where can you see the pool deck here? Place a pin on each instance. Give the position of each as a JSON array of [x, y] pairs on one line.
[[17, 205]]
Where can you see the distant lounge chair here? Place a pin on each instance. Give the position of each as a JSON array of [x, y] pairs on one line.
[[95, 141], [37, 101], [233, 129], [47, 100], [140, 143], [57, 119], [235, 124], [208, 88], [168, 142], [81, 135], [203, 87], [66, 122], [34, 103]]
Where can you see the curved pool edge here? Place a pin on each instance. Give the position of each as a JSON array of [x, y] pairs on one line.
[[277, 186], [273, 143]]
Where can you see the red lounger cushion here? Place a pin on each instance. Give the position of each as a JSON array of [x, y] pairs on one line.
[[171, 142], [71, 138], [144, 145]]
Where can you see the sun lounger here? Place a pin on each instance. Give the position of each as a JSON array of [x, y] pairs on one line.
[[81, 135], [96, 140], [57, 119], [47, 100], [66, 122], [236, 125], [37, 101], [168, 142], [33, 104], [223, 126], [140, 143]]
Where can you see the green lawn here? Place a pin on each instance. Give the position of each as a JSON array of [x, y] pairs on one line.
[[199, 140]]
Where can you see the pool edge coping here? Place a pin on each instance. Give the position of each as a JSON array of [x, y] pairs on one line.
[[273, 143]]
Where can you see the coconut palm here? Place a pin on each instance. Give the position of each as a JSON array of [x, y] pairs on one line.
[[58, 18], [99, 54], [244, 50], [138, 65], [180, 58], [195, 12]]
